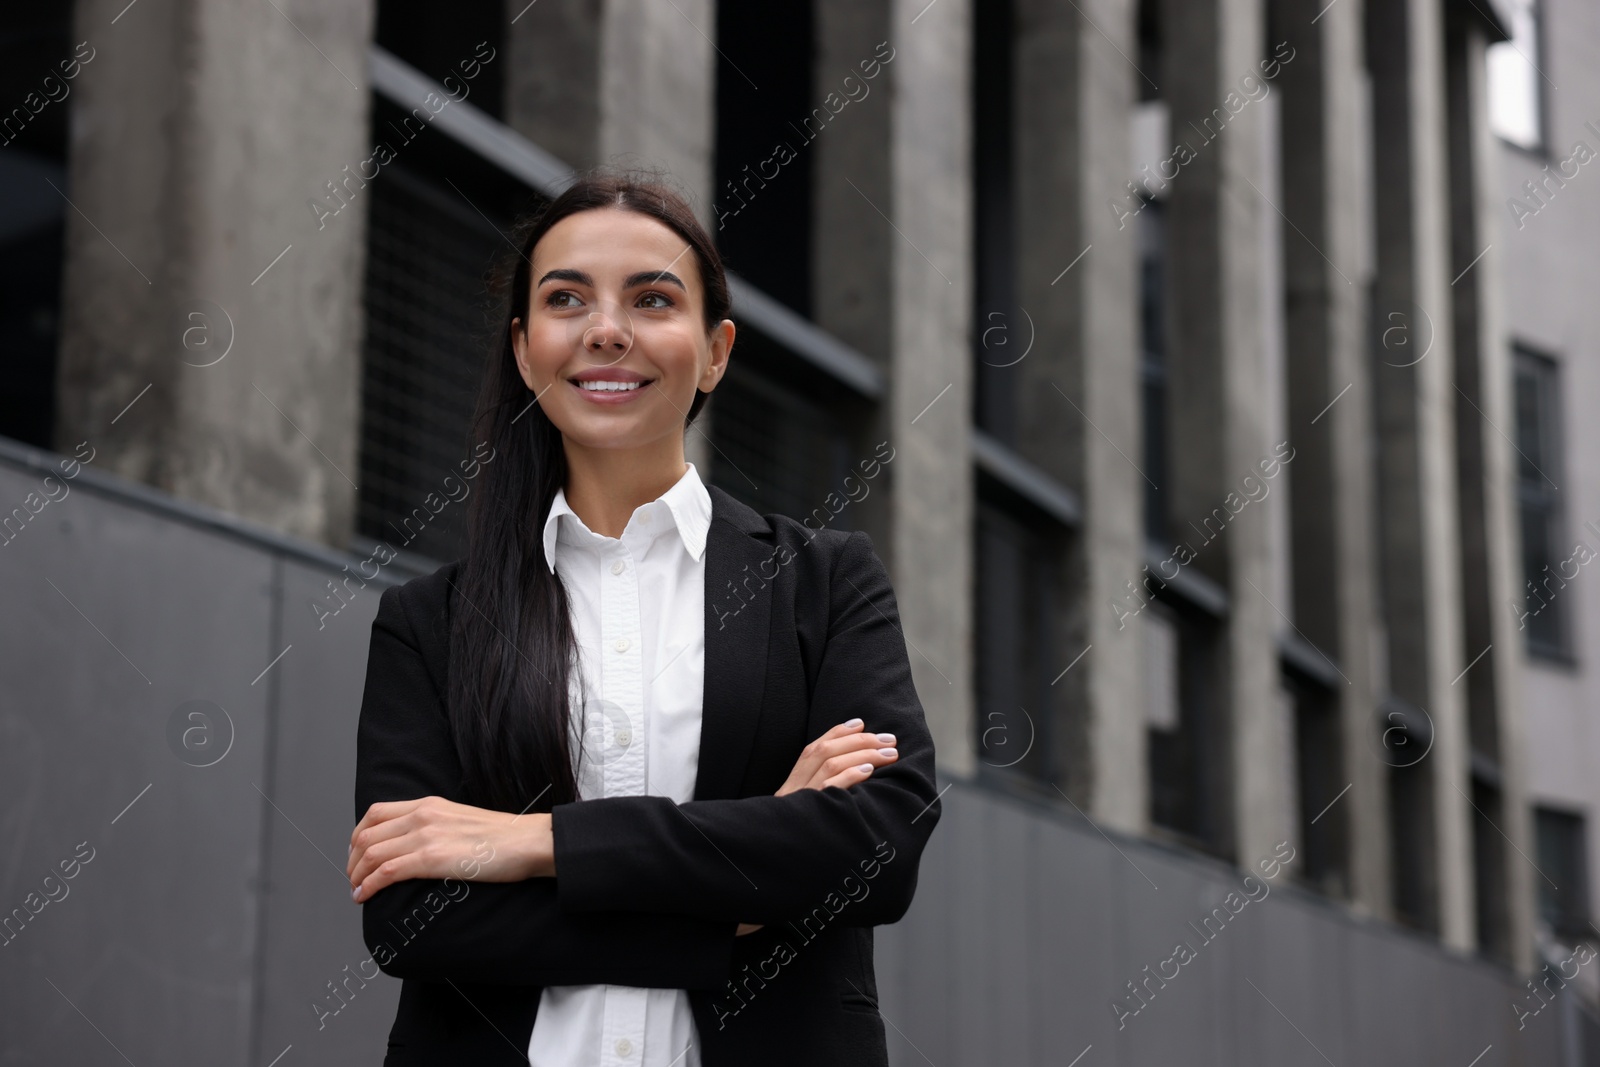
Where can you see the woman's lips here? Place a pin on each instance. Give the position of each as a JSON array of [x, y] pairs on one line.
[[610, 396]]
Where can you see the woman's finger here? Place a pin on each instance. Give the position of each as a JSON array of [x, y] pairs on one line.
[[849, 776], [854, 743], [374, 857], [366, 837], [844, 729], [390, 871], [834, 755], [383, 812], [876, 756], [846, 737], [848, 765]]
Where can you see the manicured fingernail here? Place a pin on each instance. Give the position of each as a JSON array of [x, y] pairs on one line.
[[853, 723], [887, 739], [886, 752], [864, 767], [355, 894]]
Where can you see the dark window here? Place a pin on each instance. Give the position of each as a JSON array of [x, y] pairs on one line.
[[437, 38], [1323, 801], [1489, 863], [1563, 873], [1415, 887], [765, 124], [1152, 231], [1546, 602], [775, 447], [1018, 644], [34, 40], [437, 218], [1187, 759], [997, 330], [1149, 49]]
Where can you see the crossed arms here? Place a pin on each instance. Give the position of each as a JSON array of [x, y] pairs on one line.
[[650, 892]]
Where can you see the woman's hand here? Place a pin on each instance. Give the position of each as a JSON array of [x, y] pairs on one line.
[[843, 757], [437, 838]]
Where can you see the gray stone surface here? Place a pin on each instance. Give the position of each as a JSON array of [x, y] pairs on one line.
[[1547, 268], [930, 401], [1078, 389], [201, 132], [1028, 923], [1420, 549], [211, 918]]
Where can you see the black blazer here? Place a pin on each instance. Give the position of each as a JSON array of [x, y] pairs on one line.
[[802, 632]]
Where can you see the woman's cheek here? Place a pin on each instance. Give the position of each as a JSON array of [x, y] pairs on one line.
[[547, 350], [672, 350]]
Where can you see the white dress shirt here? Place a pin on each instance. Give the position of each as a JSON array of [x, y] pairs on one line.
[[638, 609]]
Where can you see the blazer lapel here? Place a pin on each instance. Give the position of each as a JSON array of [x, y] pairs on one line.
[[738, 613]]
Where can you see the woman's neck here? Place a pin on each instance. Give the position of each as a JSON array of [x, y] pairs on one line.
[[605, 485]]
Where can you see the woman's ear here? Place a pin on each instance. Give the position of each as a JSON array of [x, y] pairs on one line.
[[519, 347], [721, 347]]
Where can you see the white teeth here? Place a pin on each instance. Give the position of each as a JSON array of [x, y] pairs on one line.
[[609, 387]]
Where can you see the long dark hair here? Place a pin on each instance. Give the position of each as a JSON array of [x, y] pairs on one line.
[[512, 646]]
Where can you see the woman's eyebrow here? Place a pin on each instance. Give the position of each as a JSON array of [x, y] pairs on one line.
[[654, 277], [567, 274]]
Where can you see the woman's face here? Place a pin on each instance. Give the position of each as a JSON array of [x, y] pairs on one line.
[[617, 301]]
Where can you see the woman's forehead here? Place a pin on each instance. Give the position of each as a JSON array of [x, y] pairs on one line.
[[612, 240]]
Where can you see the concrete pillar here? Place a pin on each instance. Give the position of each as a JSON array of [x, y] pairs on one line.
[[1078, 394], [1487, 466], [629, 83], [1218, 403], [625, 82], [852, 248], [1327, 257], [195, 266], [1413, 383], [851, 262], [930, 401]]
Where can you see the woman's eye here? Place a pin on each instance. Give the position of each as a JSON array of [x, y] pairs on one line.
[[561, 298], [663, 301]]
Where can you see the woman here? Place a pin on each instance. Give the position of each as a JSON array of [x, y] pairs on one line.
[[592, 829]]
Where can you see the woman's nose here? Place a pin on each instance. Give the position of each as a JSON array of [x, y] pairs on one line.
[[606, 333]]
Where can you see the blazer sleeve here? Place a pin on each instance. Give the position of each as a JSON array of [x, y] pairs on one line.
[[495, 932], [771, 859]]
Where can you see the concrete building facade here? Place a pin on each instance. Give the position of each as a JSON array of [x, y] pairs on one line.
[[1230, 354]]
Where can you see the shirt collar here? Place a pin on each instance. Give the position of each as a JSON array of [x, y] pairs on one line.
[[688, 503]]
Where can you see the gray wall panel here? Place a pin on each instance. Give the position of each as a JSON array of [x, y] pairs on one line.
[[916, 984], [313, 929], [1010, 1022], [153, 942], [1342, 989], [976, 969], [1180, 1021], [209, 921], [1283, 962], [1075, 911]]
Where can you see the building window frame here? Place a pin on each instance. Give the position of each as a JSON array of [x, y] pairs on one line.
[[1545, 613], [1567, 909], [1518, 105]]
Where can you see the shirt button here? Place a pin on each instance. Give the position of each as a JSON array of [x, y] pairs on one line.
[[618, 567], [624, 1046], [622, 644], [623, 737]]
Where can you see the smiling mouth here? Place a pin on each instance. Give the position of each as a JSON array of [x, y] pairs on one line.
[[611, 387]]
